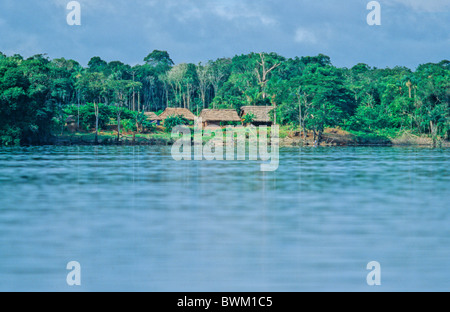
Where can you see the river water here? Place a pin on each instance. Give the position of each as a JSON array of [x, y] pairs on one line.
[[136, 220]]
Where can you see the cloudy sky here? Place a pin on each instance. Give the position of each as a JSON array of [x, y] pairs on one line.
[[412, 31]]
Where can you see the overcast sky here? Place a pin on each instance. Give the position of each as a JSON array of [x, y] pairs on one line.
[[412, 31]]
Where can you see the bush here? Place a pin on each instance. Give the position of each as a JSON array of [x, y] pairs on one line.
[[145, 125], [129, 125], [173, 121], [87, 115], [11, 136], [249, 118], [106, 114], [148, 126]]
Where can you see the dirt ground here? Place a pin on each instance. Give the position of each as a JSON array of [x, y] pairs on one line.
[[330, 137]]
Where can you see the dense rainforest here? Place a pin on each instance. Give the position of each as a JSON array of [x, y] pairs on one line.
[[309, 93]]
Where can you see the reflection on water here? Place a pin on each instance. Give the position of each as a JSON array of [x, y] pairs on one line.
[[137, 220]]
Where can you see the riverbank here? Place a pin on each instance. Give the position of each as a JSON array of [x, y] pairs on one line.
[[339, 137], [331, 137]]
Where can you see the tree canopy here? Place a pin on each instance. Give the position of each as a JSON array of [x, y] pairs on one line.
[[306, 92]]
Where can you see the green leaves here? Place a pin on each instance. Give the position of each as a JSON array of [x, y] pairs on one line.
[[249, 118], [173, 121], [159, 59], [106, 114], [129, 125], [36, 94]]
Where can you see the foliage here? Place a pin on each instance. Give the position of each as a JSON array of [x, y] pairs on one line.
[[129, 125], [249, 118], [144, 125], [27, 109], [87, 115], [173, 121], [37, 94]]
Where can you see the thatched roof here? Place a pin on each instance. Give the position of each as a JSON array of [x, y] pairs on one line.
[[219, 115], [170, 111], [152, 116], [262, 113], [70, 119]]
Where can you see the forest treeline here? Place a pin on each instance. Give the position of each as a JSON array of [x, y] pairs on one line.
[[37, 93]]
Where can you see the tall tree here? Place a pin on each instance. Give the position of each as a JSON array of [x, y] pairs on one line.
[[264, 67], [219, 70], [94, 88], [203, 81]]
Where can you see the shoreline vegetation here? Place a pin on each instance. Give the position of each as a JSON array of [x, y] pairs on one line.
[[288, 138], [58, 101]]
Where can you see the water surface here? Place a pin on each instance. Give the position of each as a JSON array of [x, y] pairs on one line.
[[136, 220]]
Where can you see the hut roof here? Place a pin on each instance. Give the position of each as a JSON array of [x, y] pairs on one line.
[[152, 116], [219, 115], [171, 111], [70, 119], [262, 113]]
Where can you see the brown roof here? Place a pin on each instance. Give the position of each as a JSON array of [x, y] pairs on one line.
[[219, 115], [262, 113], [170, 111], [152, 116]]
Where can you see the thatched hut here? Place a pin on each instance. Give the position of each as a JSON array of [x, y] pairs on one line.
[[213, 117], [261, 113], [171, 111], [71, 124], [152, 117]]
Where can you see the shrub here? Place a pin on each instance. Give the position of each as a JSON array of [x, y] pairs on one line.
[[249, 118], [107, 115], [173, 121], [129, 125]]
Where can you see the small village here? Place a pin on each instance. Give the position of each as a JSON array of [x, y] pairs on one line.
[[211, 120], [218, 117]]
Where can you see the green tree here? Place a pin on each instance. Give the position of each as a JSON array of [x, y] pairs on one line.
[[159, 59], [173, 121]]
